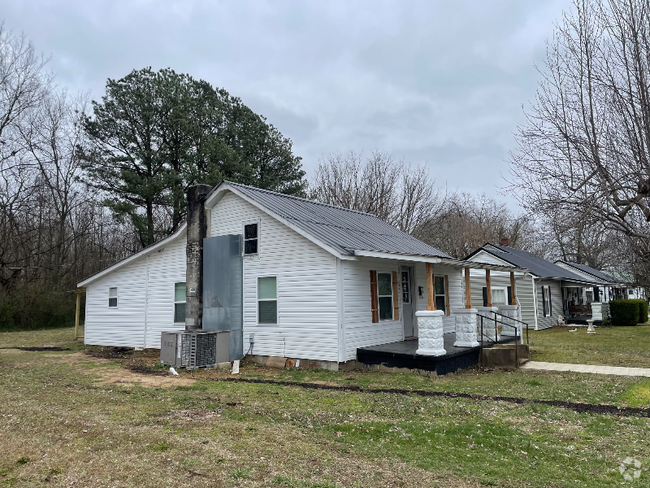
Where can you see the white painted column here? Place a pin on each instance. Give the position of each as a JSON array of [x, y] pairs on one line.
[[430, 331], [596, 311], [488, 323], [465, 327]]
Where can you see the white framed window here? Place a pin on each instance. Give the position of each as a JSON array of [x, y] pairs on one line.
[[267, 300], [112, 297], [499, 295], [251, 238], [180, 299], [385, 295]]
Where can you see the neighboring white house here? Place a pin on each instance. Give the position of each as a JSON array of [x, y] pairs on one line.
[[615, 285], [318, 281], [544, 293]]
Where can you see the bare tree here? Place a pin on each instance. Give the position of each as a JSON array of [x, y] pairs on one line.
[[379, 185], [466, 222], [585, 149]]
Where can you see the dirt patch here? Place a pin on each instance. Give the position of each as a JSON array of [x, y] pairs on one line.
[[111, 352], [575, 406], [124, 377]]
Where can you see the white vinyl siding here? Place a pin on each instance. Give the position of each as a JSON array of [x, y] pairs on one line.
[[556, 299], [306, 285], [145, 303], [359, 330]]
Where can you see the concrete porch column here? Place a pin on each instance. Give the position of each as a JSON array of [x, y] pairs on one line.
[[511, 312], [465, 327], [488, 323], [430, 340], [599, 311]]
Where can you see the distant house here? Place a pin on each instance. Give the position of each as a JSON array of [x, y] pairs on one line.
[[546, 293], [290, 278], [616, 285]]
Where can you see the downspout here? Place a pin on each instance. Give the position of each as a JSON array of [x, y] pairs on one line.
[[196, 232]]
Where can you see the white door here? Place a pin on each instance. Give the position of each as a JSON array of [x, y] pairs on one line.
[[407, 301]]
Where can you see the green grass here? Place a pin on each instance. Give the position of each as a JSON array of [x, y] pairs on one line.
[[60, 427], [611, 346], [33, 338]]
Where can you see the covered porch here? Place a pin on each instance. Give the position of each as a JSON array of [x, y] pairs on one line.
[[450, 330]]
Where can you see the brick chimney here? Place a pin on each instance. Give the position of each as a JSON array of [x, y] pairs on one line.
[[505, 242], [196, 230]]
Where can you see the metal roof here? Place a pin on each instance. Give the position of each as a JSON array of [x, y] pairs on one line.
[[537, 266], [592, 271], [340, 228]]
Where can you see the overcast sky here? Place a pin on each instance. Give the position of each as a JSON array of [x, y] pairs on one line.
[[438, 82]]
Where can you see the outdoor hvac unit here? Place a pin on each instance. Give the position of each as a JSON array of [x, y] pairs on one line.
[[195, 349]]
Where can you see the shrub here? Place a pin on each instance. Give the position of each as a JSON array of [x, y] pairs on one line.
[[643, 310], [624, 312]]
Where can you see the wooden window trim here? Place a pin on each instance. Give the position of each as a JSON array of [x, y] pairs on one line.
[[374, 297]]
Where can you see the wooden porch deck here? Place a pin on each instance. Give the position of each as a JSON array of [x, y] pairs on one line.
[[402, 355]]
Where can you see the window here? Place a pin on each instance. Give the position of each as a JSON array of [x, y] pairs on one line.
[[547, 306], [439, 293], [179, 303], [385, 293], [267, 300], [112, 297], [251, 239], [499, 296]]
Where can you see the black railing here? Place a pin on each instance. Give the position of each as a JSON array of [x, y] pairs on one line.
[[485, 325]]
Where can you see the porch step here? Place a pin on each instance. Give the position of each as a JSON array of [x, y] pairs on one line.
[[505, 355]]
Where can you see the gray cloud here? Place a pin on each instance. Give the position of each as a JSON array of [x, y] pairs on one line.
[[435, 82]]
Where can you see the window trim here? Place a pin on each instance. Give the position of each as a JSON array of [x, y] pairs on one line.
[[547, 307], [505, 293], [117, 297], [258, 300], [258, 222], [175, 302], [379, 296]]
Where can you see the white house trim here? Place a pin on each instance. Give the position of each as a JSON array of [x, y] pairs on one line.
[[124, 262]]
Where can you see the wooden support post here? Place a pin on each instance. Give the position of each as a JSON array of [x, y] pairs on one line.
[[513, 300], [76, 316], [431, 303], [488, 289], [468, 290]]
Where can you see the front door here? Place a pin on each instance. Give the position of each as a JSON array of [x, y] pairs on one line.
[[407, 301]]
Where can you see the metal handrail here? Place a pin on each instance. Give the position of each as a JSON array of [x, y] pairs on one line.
[[515, 320], [496, 332]]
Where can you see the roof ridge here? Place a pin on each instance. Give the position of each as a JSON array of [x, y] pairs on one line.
[[315, 202]]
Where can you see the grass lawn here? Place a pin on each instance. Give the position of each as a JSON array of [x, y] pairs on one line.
[[611, 346], [69, 419]]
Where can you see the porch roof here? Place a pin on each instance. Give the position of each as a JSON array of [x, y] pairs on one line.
[[456, 263]]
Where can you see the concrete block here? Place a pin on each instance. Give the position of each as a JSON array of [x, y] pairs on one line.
[[275, 362], [291, 363]]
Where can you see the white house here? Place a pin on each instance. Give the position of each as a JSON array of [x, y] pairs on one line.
[[317, 283]]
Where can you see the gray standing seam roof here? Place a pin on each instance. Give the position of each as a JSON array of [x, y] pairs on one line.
[[342, 229], [592, 271], [537, 266]]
